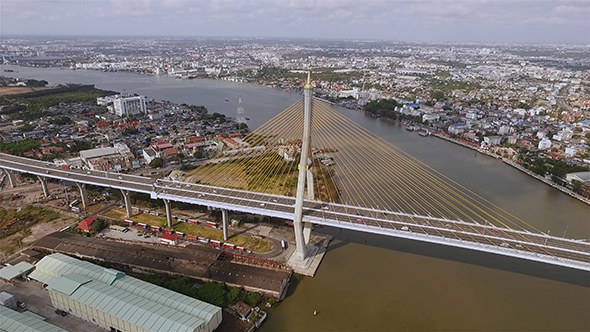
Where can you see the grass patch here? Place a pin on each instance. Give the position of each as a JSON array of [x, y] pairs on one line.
[[238, 173], [121, 214], [250, 243], [116, 213], [92, 209], [274, 175], [150, 220], [13, 221]]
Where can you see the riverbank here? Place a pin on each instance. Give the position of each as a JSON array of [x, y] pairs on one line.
[[518, 167]]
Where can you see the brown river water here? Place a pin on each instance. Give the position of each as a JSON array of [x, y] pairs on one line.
[[375, 283]]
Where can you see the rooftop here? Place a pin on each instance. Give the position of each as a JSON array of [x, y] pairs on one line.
[[13, 321], [154, 308], [11, 272]]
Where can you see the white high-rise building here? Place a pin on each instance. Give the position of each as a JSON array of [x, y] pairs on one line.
[[545, 144], [129, 106]]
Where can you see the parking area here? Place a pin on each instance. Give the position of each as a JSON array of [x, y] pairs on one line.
[[37, 301], [134, 234]]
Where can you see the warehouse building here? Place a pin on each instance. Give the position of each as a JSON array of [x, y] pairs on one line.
[[118, 302], [14, 321]]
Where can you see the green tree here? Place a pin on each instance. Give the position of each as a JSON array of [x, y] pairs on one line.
[[438, 95], [382, 107], [157, 162], [198, 154], [214, 293], [254, 298], [26, 127], [234, 295]]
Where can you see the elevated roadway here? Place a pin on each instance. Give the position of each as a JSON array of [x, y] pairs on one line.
[[482, 237]]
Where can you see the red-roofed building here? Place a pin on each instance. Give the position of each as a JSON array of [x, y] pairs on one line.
[[230, 142], [102, 124], [170, 152], [86, 224], [194, 139], [162, 145], [168, 239], [235, 135]]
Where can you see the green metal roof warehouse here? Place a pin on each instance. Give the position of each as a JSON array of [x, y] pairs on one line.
[[13, 321], [115, 301]]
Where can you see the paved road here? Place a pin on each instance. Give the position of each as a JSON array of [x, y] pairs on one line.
[[505, 241]]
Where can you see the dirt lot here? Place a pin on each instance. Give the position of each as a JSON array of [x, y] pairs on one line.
[[30, 195], [14, 90]]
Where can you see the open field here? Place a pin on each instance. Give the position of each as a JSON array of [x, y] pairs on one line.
[[116, 213], [93, 208], [15, 90], [272, 177], [150, 220]]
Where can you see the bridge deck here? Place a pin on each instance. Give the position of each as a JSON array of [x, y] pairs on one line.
[[488, 238]]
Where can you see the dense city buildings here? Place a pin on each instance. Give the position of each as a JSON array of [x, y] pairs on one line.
[[527, 103]]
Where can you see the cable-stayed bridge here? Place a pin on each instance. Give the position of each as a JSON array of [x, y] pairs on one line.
[[352, 179]]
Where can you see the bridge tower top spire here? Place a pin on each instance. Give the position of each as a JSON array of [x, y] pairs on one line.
[[308, 85]]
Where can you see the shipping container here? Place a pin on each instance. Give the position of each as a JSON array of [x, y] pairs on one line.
[[141, 225], [128, 222], [204, 240], [215, 243], [228, 246]]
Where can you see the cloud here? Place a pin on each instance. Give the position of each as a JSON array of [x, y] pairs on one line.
[[379, 19], [131, 8]]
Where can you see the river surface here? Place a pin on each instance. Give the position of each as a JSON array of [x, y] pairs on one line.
[[375, 283]]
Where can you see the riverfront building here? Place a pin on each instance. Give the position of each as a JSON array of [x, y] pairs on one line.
[[117, 302], [124, 105]]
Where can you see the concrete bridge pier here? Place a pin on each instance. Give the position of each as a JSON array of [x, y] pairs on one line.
[[11, 177], [168, 212], [225, 217], [307, 227], [43, 181], [83, 194], [127, 200]]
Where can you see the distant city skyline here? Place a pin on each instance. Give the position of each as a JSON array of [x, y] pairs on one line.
[[421, 21]]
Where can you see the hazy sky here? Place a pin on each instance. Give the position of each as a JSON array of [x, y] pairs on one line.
[[441, 20]]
